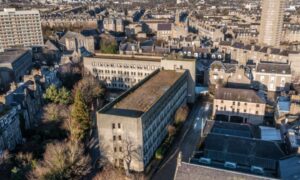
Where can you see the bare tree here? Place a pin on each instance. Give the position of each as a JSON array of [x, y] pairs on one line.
[[110, 172], [63, 160], [131, 153]]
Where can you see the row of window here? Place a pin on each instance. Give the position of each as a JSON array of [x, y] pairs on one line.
[[239, 103], [131, 66], [120, 72], [233, 110]]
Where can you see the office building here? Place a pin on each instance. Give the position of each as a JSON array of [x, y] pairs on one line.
[[271, 22], [139, 118], [125, 71], [20, 28]]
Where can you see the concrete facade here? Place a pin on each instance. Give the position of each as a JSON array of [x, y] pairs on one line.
[[271, 22], [124, 71], [20, 28], [141, 123]]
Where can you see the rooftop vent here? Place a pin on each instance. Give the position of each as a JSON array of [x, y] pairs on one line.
[[257, 170], [205, 160], [230, 165]]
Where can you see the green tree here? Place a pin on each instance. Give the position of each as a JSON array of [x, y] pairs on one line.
[[64, 96], [80, 120], [51, 93], [58, 96], [108, 46]]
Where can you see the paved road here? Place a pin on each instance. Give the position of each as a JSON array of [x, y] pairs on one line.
[[189, 138]]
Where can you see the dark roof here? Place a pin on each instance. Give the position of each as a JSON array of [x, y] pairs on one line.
[[187, 171], [225, 43], [233, 129], [9, 56], [243, 95], [289, 168], [238, 45], [164, 27], [274, 68], [243, 151], [90, 32]]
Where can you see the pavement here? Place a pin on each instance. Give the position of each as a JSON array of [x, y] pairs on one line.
[[187, 142]]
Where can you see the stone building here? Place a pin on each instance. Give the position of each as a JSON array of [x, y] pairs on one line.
[[28, 96], [113, 24], [138, 119], [273, 77], [239, 106], [14, 64], [10, 132], [75, 41]]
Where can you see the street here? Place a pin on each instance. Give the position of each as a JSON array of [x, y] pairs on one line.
[[187, 141]]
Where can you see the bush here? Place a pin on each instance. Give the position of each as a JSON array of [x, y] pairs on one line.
[[159, 153], [181, 114]]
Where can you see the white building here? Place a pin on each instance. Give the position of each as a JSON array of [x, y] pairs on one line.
[[20, 28], [271, 22]]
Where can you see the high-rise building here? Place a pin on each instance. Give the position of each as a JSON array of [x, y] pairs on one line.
[[20, 28], [271, 22]]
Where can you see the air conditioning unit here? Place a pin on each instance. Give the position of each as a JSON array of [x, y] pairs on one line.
[[257, 170], [205, 160], [230, 165]]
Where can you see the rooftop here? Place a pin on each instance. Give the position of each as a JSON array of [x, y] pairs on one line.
[[141, 99], [9, 56], [274, 68], [242, 95], [187, 171], [128, 57]]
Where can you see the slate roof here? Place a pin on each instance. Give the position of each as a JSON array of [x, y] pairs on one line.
[[188, 171], [233, 129], [243, 151], [242, 95], [289, 168], [274, 68], [9, 56], [164, 27]]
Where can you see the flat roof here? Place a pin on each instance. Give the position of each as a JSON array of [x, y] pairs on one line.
[[127, 57], [10, 56], [144, 97]]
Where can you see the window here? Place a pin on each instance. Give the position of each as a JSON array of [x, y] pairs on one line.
[[114, 138], [115, 149], [113, 126], [233, 103], [256, 112], [257, 105], [119, 125], [120, 149], [239, 103], [222, 101], [120, 138], [245, 110]]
